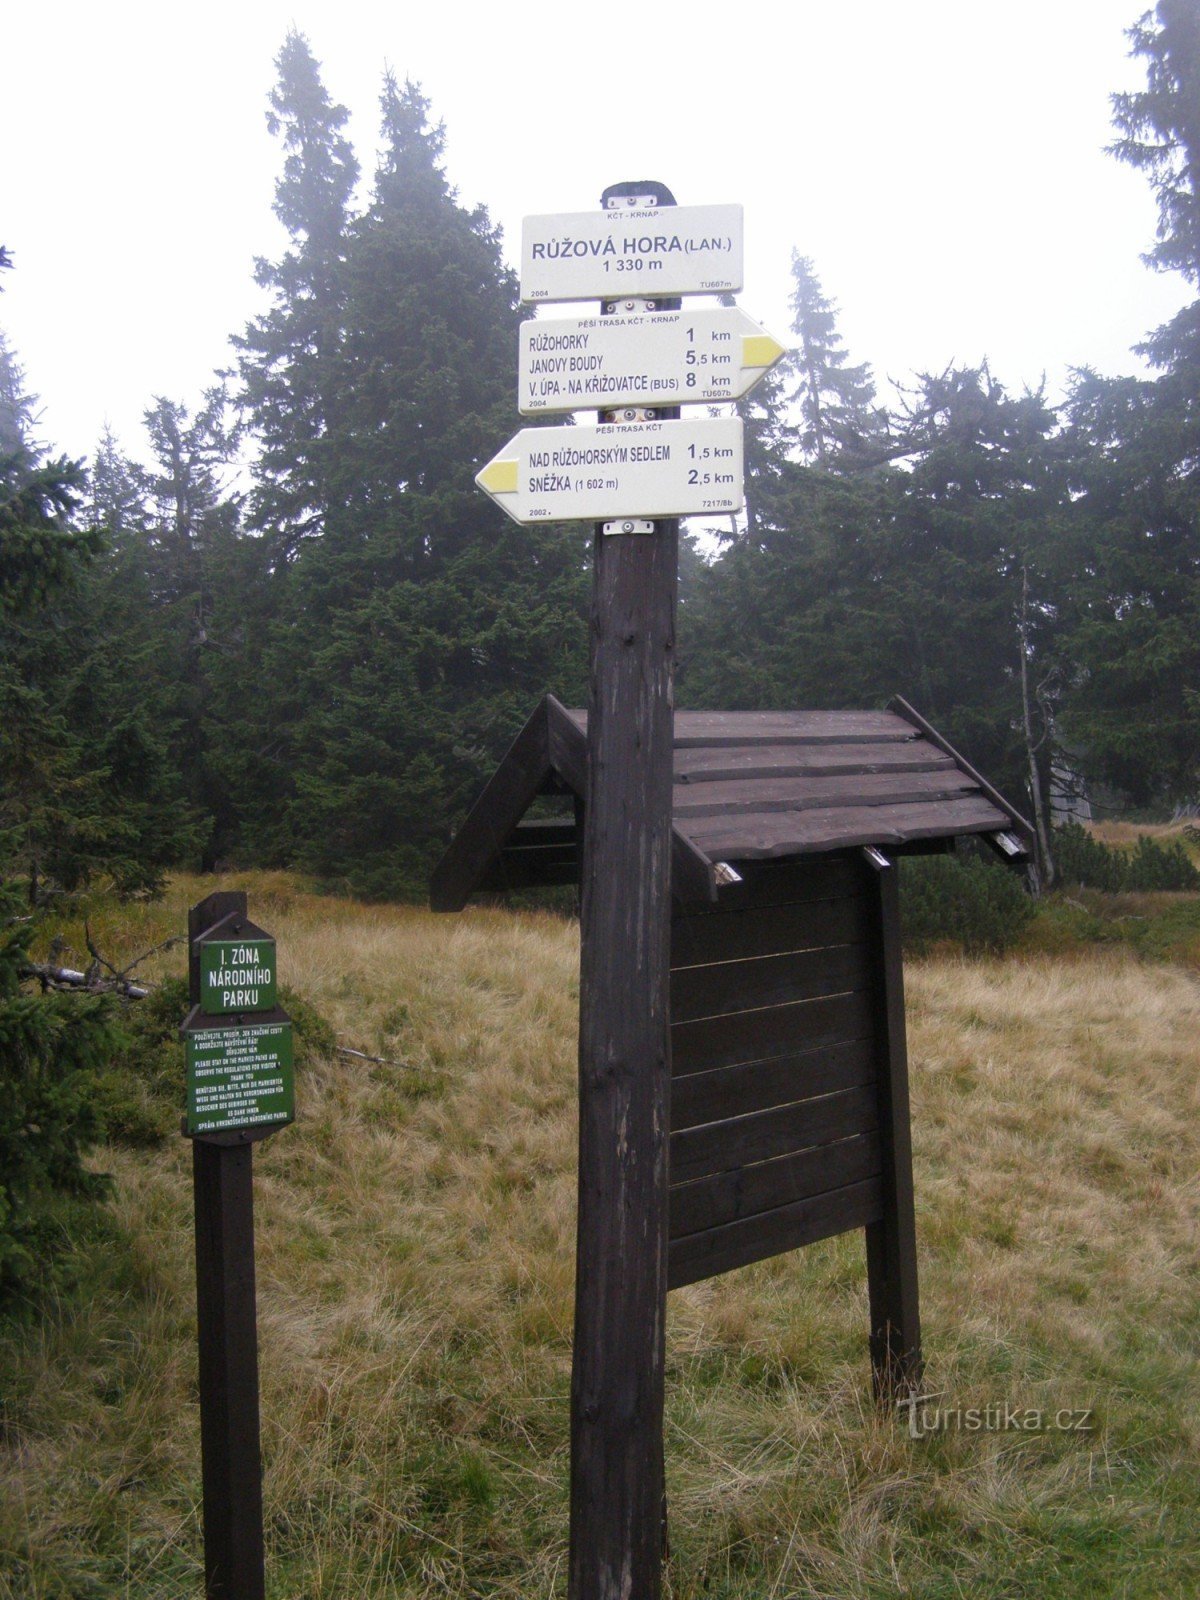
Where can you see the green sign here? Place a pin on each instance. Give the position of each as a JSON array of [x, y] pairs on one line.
[[239, 1077], [237, 975]]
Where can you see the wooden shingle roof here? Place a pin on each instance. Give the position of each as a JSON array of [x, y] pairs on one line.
[[749, 786]]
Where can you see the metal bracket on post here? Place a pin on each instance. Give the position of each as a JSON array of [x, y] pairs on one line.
[[628, 525]]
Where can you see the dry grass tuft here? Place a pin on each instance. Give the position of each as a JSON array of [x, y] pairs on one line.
[[415, 1236]]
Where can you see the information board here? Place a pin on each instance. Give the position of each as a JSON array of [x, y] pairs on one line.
[[659, 250], [237, 975], [653, 358], [639, 469], [239, 1077]]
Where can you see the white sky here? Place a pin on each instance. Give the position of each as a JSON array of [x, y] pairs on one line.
[[941, 160]]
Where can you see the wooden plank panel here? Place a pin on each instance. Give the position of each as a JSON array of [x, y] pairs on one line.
[[727, 987], [727, 1196], [786, 832], [914, 717], [766, 931], [701, 1097], [709, 763], [776, 883], [737, 1244], [757, 727], [759, 1035], [810, 793], [723, 1146]]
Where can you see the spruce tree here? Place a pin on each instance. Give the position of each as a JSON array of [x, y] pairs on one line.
[[1132, 616], [840, 422], [290, 357], [413, 636]]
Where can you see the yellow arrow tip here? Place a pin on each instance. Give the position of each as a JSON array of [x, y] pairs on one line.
[[498, 477], [761, 350]]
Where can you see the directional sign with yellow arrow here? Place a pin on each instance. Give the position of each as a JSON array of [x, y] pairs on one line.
[[647, 469], [659, 358]]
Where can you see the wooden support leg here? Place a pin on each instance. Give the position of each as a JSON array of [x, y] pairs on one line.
[[892, 1242], [228, 1340]]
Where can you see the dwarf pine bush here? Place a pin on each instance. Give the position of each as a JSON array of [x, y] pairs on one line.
[[981, 907]]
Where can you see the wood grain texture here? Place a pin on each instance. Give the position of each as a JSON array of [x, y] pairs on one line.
[[617, 1370], [759, 1035], [701, 1097], [778, 883], [726, 1146], [729, 1196], [737, 1244], [798, 727], [737, 935], [732, 796], [892, 1239], [707, 764], [1019, 823], [227, 1337], [788, 833], [727, 987]]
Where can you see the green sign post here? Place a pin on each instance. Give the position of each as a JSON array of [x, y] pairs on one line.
[[237, 975], [239, 1077], [240, 1088]]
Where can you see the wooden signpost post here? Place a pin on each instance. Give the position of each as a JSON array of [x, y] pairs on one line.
[[636, 472], [239, 1090]]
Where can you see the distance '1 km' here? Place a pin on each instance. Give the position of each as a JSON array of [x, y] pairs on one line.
[[656, 358]]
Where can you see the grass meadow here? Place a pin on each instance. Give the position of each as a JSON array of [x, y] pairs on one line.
[[415, 1234]]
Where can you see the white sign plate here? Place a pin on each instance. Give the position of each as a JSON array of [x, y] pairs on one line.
[[635, 469], [655, 358], [601, 255]]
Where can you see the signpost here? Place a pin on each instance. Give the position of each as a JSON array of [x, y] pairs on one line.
[[239, 1090], [644, 469], [633, 475], [640, 250], [654, 358]]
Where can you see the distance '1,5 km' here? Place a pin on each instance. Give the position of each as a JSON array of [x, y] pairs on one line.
[[637, 469], [705, 452]]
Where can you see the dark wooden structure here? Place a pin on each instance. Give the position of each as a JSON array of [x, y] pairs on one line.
[[789, 1114], [780, 1061]]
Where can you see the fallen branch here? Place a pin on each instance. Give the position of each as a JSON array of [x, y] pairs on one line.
[[93, 981], [361, 1055]]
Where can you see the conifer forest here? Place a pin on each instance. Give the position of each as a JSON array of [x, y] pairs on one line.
[[284, 628], [270, 650]]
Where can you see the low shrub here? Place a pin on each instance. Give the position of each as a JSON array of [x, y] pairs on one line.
[[962, 900], [51, 1048], [1082, 859]]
